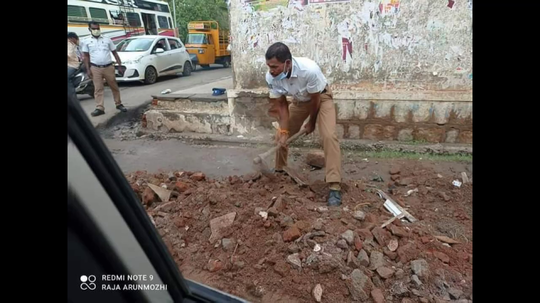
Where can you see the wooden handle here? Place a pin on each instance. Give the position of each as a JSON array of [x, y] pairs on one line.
[[290, 140]]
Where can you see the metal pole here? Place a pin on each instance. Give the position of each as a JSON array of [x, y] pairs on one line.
[[174, 13]]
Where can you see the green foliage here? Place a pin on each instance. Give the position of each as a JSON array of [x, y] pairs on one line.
[[199, 10]]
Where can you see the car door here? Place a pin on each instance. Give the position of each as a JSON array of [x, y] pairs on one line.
[[161, 61], [176, 54], [184, 55]]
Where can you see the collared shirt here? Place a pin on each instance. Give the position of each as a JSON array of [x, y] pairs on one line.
[[99, 49], [74, 55], [306, 78]]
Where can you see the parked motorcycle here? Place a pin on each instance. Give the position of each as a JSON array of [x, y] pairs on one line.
[[83, 84]]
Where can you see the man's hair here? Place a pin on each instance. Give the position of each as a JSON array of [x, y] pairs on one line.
[[92, 23], [279, 51], [72, 35]]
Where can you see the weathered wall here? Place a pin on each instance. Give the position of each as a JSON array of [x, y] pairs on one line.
[[360, 44], [400, 70]]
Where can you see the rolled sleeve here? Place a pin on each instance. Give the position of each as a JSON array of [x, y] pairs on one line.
[[112, 47], [85, 48]]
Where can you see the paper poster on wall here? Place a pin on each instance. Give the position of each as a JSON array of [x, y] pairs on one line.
[[327, 1], [298, 4], [264, 5], [389, 7], [346, 40]]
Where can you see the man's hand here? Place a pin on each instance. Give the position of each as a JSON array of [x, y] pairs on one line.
[[89, 73], [122, 70], [310, 127]]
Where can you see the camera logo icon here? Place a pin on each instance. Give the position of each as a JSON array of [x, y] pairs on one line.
[[87, 282]]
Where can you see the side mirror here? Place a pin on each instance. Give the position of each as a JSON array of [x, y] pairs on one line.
[[160, 51]]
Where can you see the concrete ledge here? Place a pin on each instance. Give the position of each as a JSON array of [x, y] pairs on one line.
[[175, 121], [192, 97], [309, 142]]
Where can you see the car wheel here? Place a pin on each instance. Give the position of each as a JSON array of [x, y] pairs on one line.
[[150, 75], [227, 63], [187, 69]]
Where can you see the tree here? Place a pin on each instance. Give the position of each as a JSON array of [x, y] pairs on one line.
[[199, 10]]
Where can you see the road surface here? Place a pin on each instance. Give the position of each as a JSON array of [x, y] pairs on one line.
[[136, 94]]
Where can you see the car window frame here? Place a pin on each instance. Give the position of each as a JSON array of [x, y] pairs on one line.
[[154, 48], [94, 152]]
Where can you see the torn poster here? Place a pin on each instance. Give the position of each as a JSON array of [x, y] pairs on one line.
[[346, 40], [388, 7]]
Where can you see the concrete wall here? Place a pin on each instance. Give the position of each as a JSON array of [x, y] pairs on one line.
[[400, 70]]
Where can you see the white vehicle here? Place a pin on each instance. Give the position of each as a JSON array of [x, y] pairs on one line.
[[146, 58], [120, 19]]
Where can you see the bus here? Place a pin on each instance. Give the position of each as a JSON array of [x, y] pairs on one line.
[[120, 19]]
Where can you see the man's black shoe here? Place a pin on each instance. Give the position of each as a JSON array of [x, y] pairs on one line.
[[334, 198], [121, 108], [97, 112]]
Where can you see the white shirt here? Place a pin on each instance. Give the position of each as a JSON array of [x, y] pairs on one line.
[[306, 78], [99, 49]]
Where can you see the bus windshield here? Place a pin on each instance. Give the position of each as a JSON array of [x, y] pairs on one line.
[[134, 45], [197, 39]]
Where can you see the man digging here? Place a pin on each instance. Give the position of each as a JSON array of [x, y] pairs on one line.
[[302, 79]]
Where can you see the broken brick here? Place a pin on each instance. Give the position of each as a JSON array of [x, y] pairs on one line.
[[197, 177], [315, 158], [291, 234]]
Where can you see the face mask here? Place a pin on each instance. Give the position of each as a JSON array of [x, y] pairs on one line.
[[283, 74], [96, 32]]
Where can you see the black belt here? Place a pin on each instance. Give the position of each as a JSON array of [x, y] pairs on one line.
[[101, 66]]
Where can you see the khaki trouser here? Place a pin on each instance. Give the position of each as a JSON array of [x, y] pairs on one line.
[[98, 73], [326, 123]]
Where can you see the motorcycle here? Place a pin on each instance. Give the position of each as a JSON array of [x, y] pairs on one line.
[[83, 84]]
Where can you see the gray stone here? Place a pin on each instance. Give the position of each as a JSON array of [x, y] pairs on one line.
[[455, 293], [311, 259], [416, 280], [327, 263], [286, 221], [342, 244], [348, 236], [351, 260], [420, 268], [363, 258], [227, 243], [399, 288], [360, 286], [359, 215], [294, 260], [317, 292], [293, 248], [385, 272], [377, 281], [376, 260]]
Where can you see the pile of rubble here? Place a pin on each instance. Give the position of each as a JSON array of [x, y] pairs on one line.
[[273, 241]]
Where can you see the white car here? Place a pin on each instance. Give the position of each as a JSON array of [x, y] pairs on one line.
[[146, 58]]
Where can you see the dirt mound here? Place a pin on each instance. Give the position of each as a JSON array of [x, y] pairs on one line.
[[272, 241]]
